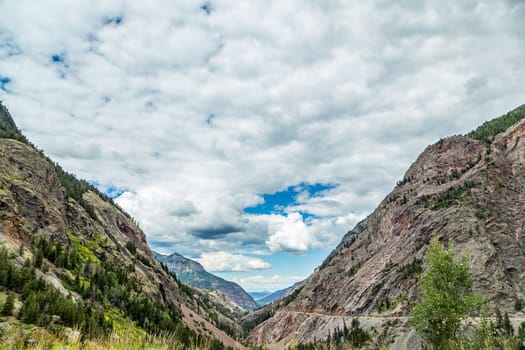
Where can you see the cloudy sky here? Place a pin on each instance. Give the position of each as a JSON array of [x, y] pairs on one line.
[[251, 135]]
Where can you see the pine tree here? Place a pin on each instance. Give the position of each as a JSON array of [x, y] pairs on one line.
[[357, 336], [77, 281], [518, 304], [507, 326], [7, 309], [39, 256]]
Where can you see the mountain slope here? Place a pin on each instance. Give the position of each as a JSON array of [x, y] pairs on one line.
[[466, 190], [191, 272], [70, 254]]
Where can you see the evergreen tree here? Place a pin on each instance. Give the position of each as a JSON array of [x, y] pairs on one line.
[[507, 326], [357, 336], [7, 309], [39, 256], [518, 304]]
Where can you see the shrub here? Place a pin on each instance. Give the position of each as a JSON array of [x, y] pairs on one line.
[[131, 247]]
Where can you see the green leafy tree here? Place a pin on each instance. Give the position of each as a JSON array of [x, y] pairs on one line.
[[447, 297]]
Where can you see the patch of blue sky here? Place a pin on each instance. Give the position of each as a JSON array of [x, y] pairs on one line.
[[116, 21], [276, 203], [4, 81], [57, 58], [206, 7], [317, 189], [307, 216], [114, 192], [110, 191], [304, 262]]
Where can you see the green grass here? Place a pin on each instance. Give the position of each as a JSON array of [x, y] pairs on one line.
[[85, 253], [19, 336]]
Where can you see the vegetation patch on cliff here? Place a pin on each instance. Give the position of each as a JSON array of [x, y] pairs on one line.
[[488, 130], [452, 196]]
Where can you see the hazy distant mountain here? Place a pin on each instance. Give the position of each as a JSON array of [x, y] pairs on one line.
[[191, 272], [259, 295], [263, 298]]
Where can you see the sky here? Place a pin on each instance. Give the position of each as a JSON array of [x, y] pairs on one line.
[[252, 135]]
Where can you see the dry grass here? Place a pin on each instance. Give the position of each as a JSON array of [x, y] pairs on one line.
[[503, 344], [40, 339], [332, 346]]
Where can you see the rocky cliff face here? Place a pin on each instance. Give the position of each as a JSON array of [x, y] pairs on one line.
[[193, 273], [464, 190], [34, 202], [80, 242]]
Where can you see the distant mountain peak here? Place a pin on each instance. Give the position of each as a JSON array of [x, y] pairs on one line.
[[176, 262], [193, 273], [263, 298]]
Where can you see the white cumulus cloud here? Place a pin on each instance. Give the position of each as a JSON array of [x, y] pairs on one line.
[[224, 261], [290, 233], [197, 114], [274, 282]]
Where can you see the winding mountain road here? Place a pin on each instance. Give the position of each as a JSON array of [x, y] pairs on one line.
[[307, 326]]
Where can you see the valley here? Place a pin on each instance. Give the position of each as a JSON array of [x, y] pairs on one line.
[[262, 175], [73, 262]]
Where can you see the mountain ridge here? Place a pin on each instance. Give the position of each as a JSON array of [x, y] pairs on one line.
[[78, 258], [193, 273], [466, 190]]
